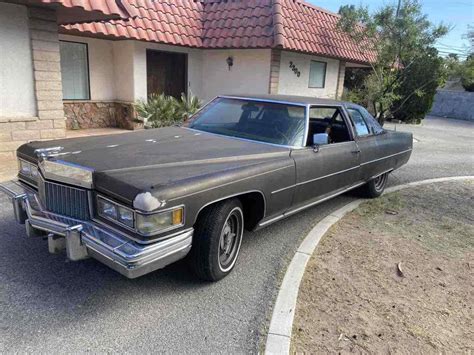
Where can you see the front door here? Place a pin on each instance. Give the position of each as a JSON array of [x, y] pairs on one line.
[[330, 168], [166, 73]]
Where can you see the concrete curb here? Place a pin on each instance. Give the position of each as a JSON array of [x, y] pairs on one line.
[[279, 333]]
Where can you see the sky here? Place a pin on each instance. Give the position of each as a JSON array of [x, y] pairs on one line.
[[456, 14]]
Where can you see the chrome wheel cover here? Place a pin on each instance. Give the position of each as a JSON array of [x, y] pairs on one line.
[[230, 239], [379, 182]]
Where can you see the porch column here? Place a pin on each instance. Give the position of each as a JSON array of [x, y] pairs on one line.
[[47, 74], [274, 71], [340, 80]]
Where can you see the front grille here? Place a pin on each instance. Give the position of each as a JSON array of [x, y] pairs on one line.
[[64, 200]]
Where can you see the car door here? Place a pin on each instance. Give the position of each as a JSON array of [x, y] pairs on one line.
[[327, 169], [372, 142]]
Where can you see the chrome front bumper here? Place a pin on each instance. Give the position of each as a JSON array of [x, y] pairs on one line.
[[87, 238]]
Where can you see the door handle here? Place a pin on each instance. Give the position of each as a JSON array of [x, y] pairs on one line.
[[357, 151]]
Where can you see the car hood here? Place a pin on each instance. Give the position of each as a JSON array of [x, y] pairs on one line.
[[149, 160]]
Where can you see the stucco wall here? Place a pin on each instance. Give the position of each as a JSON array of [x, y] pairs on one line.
[[291, 84], [123, 70], [101, 68], [454, 104], [250, 73], [194, 74], [17, 98]]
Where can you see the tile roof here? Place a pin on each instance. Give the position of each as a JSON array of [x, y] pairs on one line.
[[288, 24], [306, 28], [111, 8]]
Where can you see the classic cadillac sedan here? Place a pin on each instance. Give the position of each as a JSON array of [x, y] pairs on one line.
[[142, 200]]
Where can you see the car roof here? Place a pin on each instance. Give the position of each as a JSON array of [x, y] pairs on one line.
[[300, 100]]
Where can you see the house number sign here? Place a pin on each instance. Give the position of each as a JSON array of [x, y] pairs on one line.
[[295, 69]]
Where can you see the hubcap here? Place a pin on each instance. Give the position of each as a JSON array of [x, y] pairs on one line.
[[380, 182], [230, 239]]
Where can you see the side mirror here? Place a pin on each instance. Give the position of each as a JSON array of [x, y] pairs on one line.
[[320, 139]]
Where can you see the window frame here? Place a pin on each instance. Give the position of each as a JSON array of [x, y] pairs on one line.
[[324, 77], [347, 120], [89, 96]]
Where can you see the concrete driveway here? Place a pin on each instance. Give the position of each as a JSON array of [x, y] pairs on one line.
[[49, 305]]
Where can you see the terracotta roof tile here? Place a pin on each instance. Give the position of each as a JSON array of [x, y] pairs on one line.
[[288, 24], [106, 7]]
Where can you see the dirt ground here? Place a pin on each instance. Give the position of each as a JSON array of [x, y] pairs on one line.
[[394, 276]]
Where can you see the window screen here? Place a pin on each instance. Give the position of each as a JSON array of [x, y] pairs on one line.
[[317, 74], [74, 71]]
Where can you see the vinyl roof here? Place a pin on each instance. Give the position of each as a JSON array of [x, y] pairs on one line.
[[287, 24], [305, 100]]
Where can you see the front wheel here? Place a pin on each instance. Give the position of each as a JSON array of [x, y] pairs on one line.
[[375, 187], [217, 239]]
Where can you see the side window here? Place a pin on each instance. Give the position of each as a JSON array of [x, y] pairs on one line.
[[374, 126], [327, 120], [359, 122]]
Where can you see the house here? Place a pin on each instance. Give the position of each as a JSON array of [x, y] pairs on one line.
[[203, 47]]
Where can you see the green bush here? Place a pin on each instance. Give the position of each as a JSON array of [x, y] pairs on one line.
[[416, 93], [163, 111], [467, 75]]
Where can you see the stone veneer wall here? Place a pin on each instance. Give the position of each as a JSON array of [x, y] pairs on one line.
[[99, 114], [50, 122]]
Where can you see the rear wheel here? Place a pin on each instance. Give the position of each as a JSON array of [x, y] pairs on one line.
[[217, 239], [375, 187]]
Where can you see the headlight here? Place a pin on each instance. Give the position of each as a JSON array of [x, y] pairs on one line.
[[115, 212], [146, 224], [161, 221], [28, 170]]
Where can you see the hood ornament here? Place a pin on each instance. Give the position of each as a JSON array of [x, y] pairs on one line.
[[44, 153]]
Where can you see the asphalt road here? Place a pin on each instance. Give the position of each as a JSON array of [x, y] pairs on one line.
[[50, 305]]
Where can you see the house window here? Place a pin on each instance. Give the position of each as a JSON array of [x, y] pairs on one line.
[[317, 74], [74, 70]]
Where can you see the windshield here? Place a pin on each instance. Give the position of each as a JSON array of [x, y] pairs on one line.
[[268, 122]]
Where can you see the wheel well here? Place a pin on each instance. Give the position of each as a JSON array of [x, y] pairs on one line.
[[254, 208], [253, 204]]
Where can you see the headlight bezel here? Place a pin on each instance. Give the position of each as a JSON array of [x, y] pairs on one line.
[[136, 215], [33, 170]]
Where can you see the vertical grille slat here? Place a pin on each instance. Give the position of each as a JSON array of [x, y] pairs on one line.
[[64, 200]]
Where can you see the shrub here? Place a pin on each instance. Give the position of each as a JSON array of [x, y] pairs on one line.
[[187, 106], [163, 111], [467, 75]]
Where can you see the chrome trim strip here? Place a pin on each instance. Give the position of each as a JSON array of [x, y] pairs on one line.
[[232, 182], [291, 212], [388, 156], [315, 179], [342, 171], [262, 100], [65, 179]]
